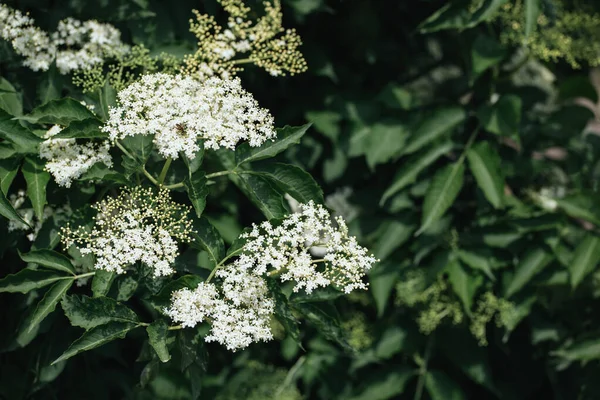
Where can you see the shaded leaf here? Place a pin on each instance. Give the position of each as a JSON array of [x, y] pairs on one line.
[[442, 192], [8, 211], [530, 265], [585, 259], [8, 171], [503, 117], [90, 312], [49, 302], [157, 336], [413, 166], [441, 387], [60, 111], [283, 311], [485, 53], [85, 129], [23, 140], [102, 281], [37, 179], [96, 337], [27, 280], [286, 137], [463, 284], [207, 238], [434, 124], [532, 12], [485, 165], [49, 259], [325, 322], [292, 180]]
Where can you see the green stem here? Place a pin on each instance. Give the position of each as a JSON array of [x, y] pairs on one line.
[[83, 275], [220, 173], [165, 169], [175, 328], [175, 186], [423, 369], [220, 264], [128, 154]]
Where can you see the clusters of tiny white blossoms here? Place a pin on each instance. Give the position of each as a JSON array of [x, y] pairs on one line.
[[75, 45], [68, 160], [285, 249], [180, 110], [239, 312], [138, 225], [28, 40], [83, 44]]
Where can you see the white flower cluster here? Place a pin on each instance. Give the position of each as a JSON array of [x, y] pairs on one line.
[[68, 160], [239, 313], [83, 44], [284, 249], [240, 310], [138, 225], [28, 40], [75, 45], [179, 110]]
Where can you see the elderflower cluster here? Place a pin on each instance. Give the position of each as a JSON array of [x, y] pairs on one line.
[[180, 110], [284, 250], [139, 225], [75, 45], [84, 44], [263, 42], [68, 160], [239, 311], [28, 40]]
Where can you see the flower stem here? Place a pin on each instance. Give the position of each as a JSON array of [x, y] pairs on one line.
[[165, 169], [175, 186], [128, 154], [220, 173], [175, 327], [84, 275]]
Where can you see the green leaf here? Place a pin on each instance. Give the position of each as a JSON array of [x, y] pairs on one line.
[[283, 311], [582, 350], [37, 179], [585, 259], [85, 129], [107, 99], [476, 261], [382, 280], [8, 171], [263, 193], [157, 336], [450, 16], [530, 265], [27, 280], [292, 180], [102, 282], [140, 147], [49, 302], [195, 186], [394, 233], [485, 165], [385, 384], [60, 111], [486, 11], [503, 117], [441, 387], [286, 137], [413, 166], [435, 124], [320, 294], [485, 53], [207, 238], [385, 140], [581, 205], [7, 210], [11, 101], [23, 139], [532, 12], [90, 312], [49, 259], [96, 337], [463, 284], [442, 192], [327, 323]]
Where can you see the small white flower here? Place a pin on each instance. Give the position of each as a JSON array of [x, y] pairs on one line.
[[68, 160], [179, 111]]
